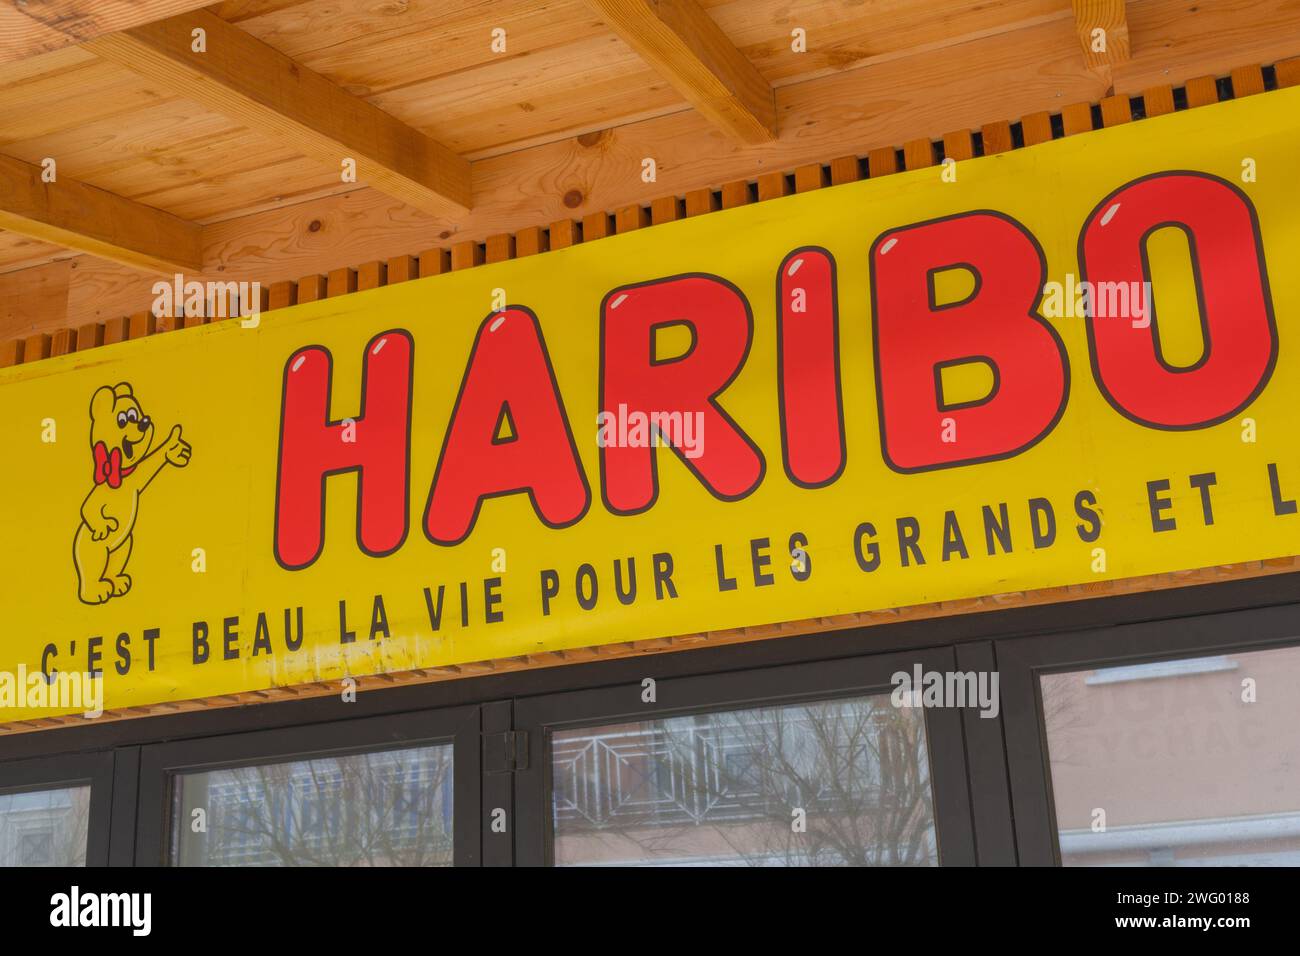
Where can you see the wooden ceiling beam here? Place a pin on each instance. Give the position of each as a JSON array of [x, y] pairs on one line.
[[258, 87], [31, 27], [679, 40], [1102, 26], [82, 217]]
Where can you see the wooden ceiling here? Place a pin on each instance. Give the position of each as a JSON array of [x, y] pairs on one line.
[[228, 162]]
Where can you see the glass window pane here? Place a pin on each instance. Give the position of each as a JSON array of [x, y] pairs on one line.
[[1178, 763], [44, 827], [841, 782], [383, 808]]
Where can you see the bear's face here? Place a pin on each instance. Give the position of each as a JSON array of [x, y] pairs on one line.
[[117, 421]]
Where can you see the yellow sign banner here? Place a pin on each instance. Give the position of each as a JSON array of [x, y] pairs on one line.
[[1063, 364]]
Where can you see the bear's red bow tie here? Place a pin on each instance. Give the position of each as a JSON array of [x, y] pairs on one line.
[[108, 466]]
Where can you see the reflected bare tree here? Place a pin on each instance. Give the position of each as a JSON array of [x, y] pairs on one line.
[[729, 787], [390, 808]]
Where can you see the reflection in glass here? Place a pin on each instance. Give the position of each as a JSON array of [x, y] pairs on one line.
[[384, 808], [842, 782], [1188, 762], [44, 827]]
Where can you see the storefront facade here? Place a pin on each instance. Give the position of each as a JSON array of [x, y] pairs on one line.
[[925, 506]]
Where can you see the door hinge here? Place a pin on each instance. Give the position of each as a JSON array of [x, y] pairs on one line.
[[505, 752]]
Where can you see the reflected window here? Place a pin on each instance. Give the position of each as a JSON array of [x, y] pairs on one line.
[[45, 827], [382, 808], [830, 783], [1187, 762]]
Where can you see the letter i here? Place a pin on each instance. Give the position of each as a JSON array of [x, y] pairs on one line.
[[808, 368]]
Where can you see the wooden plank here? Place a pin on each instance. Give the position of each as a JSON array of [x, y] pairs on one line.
[[848, 112], [1076, 118], [466, 255], [11, 352], [371, 275], [735, 194], [1036, 128], [595, 226], [1158, 100], [810, 177], [845, 169], [997, 137], [852, 112], [340, 282], [1201, 91], [311, 289], [665, 209], [36, 347], [1288, 72], [1196, 39], [562, 234], [115, 330], [140, 324], [685, 46], [259, 87], [701, 201], [918, 154], [630, 218], [1115, 111], [500, 248], [1247, 81], [1102, 26], [63, 341], [402, 269], [530, 241], [79, 216], [90, 336], [283, 295], [434, 262], [959, 145], [32, 27], [882, 161], [772, 186]]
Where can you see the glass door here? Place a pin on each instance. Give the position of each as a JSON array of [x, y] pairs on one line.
[[819, 764], [400, 790], [55, 811], [1169, 743]]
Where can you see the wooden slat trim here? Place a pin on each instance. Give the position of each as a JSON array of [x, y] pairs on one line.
[[1158, 100], [1288, 72], [995, 137]]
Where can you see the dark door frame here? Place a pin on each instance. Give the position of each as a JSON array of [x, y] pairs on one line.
[[52, 773], [1022, 661], [539, 716], [459, 726]]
